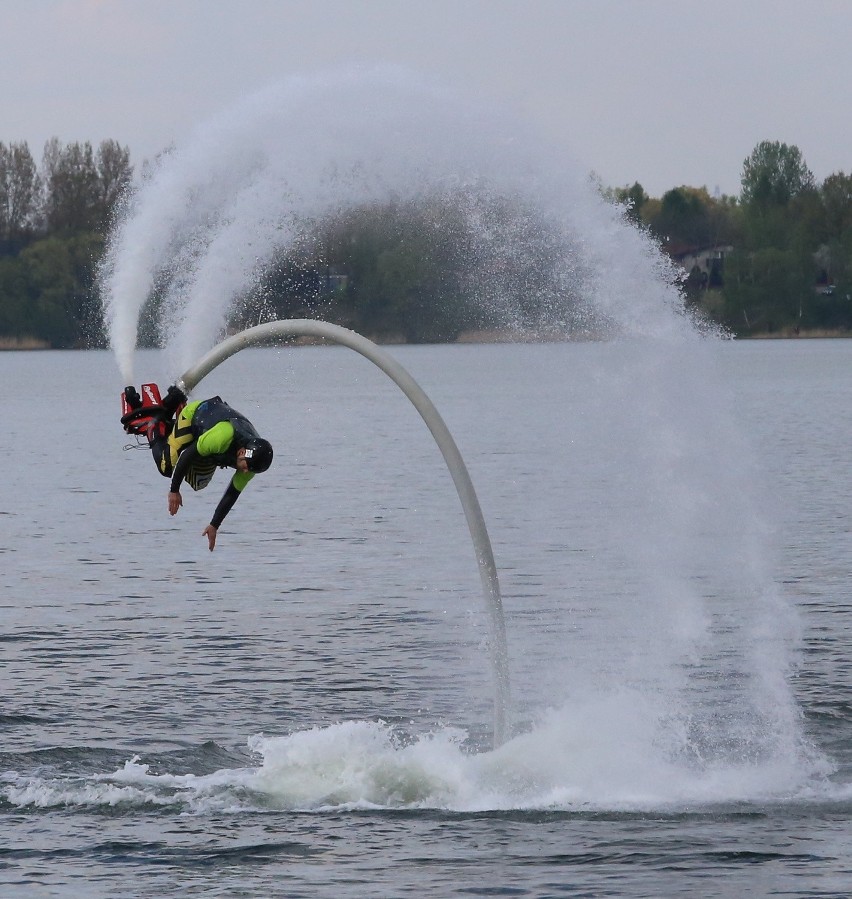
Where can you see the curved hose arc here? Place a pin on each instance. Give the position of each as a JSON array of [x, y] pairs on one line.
[[291, 328]]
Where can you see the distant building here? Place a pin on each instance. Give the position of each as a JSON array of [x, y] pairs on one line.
[[705, 265], [335, 280]]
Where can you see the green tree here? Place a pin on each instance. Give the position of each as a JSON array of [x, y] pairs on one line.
[[771, 276], [52, 235], [773, 174], [426, 270], [766, 290], [683, 217], [71, 185], [405, 270], [836, 194], [834, 255], [403, 266], [114, 176], [61, 306], [633, 198], [14, 299], [83, 186], [19, 193]]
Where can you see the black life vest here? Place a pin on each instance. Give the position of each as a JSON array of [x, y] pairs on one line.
[[215, 410]]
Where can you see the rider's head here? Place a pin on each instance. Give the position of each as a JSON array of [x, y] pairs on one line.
[[258, 454]]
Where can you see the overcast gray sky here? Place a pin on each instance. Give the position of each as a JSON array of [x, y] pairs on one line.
[[666, 92]]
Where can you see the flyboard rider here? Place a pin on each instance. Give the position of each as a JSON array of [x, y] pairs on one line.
[[189, 441]]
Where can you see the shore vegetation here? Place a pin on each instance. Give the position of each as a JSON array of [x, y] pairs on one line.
[[776, 260]]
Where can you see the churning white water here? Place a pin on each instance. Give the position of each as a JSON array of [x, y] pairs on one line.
[[684, 688]]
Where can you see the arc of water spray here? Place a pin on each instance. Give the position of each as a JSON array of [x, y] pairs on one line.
[[289, 328]]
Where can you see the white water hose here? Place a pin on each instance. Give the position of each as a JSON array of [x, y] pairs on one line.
[[291, 328]]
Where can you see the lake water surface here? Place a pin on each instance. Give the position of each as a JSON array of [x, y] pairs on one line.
[[307, 711]]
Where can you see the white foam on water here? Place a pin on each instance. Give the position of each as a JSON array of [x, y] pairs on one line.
[[604, 754]]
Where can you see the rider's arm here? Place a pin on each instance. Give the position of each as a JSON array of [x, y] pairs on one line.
[[184, 461], [230, 496]]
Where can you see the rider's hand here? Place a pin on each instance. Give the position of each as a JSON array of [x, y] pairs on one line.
[[175, 502], [210, 533]]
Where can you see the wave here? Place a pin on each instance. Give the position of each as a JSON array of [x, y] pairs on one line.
[[560, 765]]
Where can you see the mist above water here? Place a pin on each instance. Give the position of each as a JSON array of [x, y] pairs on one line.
[[704, 648], [203, 227]]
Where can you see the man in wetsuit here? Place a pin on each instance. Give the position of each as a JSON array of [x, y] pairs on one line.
[[206, 435]]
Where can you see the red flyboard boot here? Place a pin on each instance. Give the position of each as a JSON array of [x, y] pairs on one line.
[[130, 401], [139, 412]]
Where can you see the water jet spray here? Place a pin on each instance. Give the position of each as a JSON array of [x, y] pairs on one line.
[[689, 617]]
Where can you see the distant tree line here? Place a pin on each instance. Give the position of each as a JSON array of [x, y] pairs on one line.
[[776, 259], [422, 270], [53, 220], [783, 247]]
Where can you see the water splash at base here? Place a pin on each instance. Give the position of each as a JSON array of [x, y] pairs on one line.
[[718, 659]]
